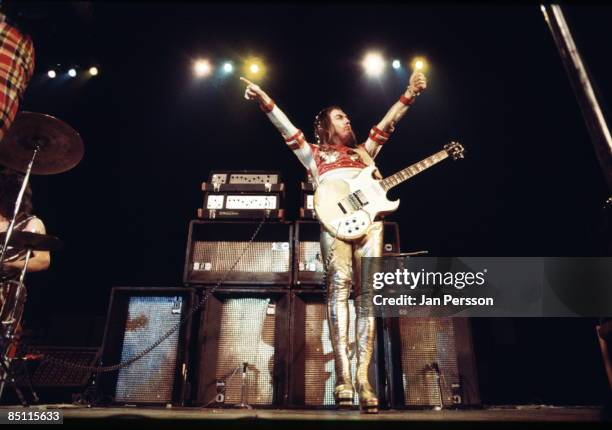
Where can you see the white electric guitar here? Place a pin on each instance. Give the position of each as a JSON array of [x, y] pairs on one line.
[[347, 207]]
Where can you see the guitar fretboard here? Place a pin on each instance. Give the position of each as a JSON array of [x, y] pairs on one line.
[[412, 170]]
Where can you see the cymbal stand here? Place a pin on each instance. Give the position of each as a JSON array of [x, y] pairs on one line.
[[24, 185]]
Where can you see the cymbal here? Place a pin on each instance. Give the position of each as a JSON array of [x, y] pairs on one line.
[[60, 146], [33, 241]]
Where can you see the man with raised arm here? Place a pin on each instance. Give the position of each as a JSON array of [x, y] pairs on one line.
[[338, 155]]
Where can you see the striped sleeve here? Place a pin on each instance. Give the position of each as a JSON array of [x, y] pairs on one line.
[[281, 122], [375, 140], [294, 138], [303, 151], [296, 141]]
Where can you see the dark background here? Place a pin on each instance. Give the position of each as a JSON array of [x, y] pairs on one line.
[[530, 184]]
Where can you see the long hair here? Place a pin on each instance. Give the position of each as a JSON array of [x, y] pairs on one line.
[[10, 184], [323, 129]]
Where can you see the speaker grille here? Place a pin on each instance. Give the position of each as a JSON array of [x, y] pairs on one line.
[[48, 374], [319, 373], [247, 335], [260, 257], [425, 341], [150, 379]]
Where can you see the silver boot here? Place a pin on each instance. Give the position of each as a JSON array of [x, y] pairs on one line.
[[366, 337]]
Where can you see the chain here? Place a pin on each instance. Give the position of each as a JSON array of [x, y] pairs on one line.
[[141, 354]]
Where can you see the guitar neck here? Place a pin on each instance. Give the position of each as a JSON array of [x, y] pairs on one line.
[[412, 170]]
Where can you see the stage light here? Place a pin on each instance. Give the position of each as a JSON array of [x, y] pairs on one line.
[[93, 71], [419, 64], [202, 68], [396, 64], [72, 73], [374, 64], [51, 74], [254, 68], [228, 67]]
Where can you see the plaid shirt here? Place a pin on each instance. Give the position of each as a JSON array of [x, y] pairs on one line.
[[16, 68]]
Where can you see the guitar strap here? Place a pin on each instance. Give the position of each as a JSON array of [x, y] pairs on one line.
[[367, 159]]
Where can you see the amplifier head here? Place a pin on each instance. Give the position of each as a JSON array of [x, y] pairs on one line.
[[241, 201], [244, 177]]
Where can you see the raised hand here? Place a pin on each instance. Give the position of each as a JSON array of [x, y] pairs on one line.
[[418, 82], [253, 91]]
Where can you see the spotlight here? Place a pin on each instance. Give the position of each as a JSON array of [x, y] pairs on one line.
[[202, 68], [396, 64], [93, 71], [254, 68], [72, 73], [420, 64], [374, 64], [51, 74], [228, 67]]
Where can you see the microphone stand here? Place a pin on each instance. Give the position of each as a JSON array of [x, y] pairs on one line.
[[243, 387], [434, 366]]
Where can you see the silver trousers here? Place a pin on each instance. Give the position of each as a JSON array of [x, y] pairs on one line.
[[344, 270]]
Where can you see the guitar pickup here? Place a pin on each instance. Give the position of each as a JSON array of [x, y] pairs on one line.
[[361, 198], [341, 207], [354, 202]]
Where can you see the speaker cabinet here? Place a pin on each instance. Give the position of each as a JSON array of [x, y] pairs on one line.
[[308, 262], [213, 247], [430, 362], [243, 344], [52, 382], [137, 318], [312, 376]]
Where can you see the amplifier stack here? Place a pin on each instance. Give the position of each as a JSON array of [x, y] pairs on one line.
[[261, 338], [243, 330]]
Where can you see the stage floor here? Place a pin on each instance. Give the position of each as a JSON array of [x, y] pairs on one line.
[[502, 417]]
